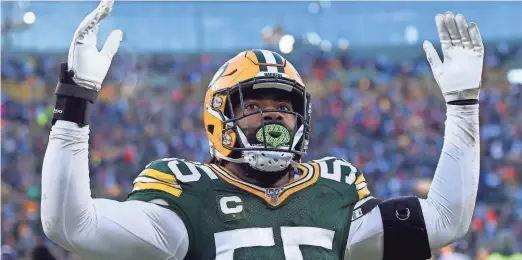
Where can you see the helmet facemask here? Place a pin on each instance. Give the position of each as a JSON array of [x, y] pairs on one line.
[[270, 146]]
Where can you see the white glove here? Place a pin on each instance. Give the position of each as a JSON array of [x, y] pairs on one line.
[[90, 66], [460, 75]]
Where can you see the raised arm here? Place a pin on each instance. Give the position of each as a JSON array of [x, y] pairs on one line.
[[96, 228], [408, 227]]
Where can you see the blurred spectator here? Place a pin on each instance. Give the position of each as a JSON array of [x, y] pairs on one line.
[[387, 118]]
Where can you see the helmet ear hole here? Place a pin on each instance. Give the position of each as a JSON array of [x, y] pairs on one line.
[[210, 129]]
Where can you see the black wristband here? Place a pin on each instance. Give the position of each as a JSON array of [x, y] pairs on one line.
[[72, 109], [464, 102], [73, 103], [73, 90]]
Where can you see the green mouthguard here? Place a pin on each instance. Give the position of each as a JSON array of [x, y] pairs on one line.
[[276, 135]]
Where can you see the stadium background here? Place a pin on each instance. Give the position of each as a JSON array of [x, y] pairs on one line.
[[375, 101]]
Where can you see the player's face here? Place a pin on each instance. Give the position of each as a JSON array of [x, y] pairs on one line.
[[251, 124]]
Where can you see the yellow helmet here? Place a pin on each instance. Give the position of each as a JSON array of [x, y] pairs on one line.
[[255, 69]]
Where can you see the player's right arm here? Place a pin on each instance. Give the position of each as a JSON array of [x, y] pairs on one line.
[[96, 228]]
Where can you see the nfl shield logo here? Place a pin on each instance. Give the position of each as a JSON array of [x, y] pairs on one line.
[[273, 194]]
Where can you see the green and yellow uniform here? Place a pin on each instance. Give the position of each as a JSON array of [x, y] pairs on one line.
[[227, 218]]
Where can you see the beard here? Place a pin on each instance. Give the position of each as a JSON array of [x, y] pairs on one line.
[[263, 178]]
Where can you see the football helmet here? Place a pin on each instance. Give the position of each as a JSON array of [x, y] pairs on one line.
[[278, 147]]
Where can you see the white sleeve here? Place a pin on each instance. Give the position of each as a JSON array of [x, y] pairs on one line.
[[449, 206], [100, 228]]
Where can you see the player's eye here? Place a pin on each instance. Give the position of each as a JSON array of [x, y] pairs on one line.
[[284, 107], [251, 106]]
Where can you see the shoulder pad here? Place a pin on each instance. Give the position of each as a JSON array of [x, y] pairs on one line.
[[343, 172], [171, 175]]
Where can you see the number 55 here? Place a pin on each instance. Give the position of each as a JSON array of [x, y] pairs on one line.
[[228, 241]]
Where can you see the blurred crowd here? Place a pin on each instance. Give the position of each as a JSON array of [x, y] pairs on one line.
[[387, 118]]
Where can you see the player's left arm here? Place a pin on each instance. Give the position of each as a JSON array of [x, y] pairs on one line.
[[409, 227]]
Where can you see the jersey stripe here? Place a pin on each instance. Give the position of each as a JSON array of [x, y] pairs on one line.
[[362, 187], [152, 180], [155, 174], [364, 192], [360, 179], [303, 178], [313, 174], [157, 186]]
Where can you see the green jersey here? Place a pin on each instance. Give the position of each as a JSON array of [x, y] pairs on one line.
[[230, 219]]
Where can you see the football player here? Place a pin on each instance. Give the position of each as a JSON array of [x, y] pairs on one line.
[[256, 199]]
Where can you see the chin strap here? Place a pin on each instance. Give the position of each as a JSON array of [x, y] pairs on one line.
[[221, 156]]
